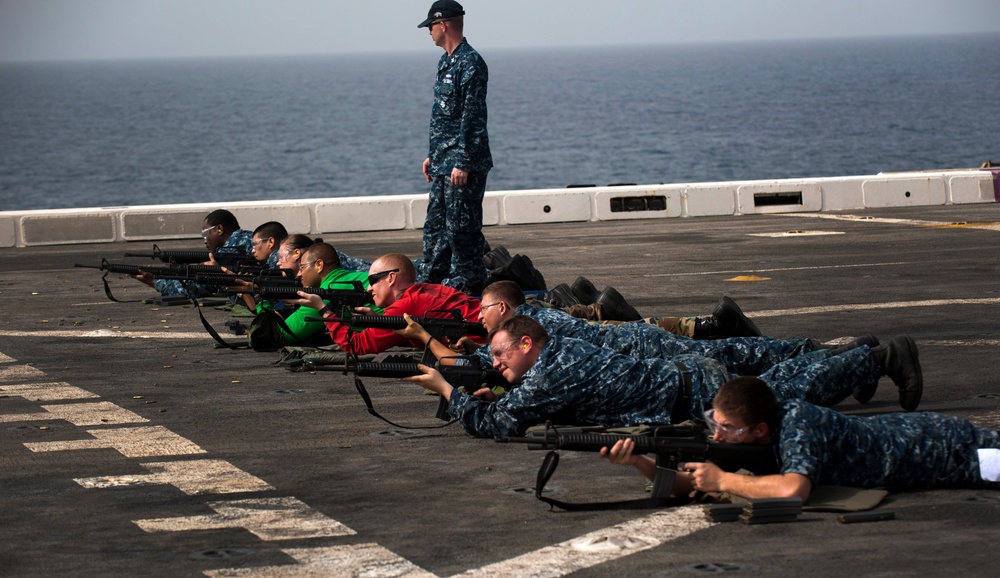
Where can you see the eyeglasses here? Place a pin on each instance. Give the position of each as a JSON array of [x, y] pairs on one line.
[[485, 307], [205, 232], [431, 25], [502, 350], [255, 242], [304, 266], [714, 426], [374, 278]]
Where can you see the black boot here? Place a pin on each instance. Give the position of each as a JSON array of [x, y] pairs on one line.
[[585, 291], [727, 320], [497, 258], [615, 307], [561, 296], [899, 360]]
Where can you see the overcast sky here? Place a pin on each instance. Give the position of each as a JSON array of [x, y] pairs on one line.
[[112, 29]]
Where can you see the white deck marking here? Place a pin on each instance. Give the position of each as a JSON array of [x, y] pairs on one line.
[[81, 414], [363, 560], [608, 544], [872, 306], [131, 442], [105, 333], [797, 234], [601, 546], [778, 269], [193, 477], [883, 220], [51, 391], [6, 358], [269, 519], [13, 373]]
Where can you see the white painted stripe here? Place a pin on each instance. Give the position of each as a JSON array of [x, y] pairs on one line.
[[192, 477], [601, 546], [81, 414], [12, 373], [796, 234], [104, 333], [889, 221], [132, 442], [6, 358], [872, 306], [367, 560], [589, 550], [51, 391], [269, 519], [773, 270]]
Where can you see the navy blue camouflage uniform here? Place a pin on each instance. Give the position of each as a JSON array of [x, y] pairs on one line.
[[458, 139], [575, 382], [238, 240], [740, 355], [894, 451]]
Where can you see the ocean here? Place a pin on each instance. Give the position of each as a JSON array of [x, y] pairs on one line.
[[137, 132]]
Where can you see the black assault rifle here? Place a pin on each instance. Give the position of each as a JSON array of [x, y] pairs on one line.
[[208, 275], [450, 326], [470, 377], [671, 445], [193, 256]]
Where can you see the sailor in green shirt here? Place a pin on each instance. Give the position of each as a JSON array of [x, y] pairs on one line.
[[320, 267]]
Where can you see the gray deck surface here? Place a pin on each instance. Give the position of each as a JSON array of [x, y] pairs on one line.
[[444, 503]]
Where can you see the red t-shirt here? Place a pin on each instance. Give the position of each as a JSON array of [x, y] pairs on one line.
[[415, 301]]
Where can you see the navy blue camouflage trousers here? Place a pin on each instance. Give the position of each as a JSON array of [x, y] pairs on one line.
[[453, 229]]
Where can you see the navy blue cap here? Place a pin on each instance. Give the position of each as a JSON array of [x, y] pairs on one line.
[[442, 10]]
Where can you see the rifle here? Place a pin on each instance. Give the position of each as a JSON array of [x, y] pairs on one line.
[[452, 327], [212, 275], [671, 445], [188, 256], [469, 377]]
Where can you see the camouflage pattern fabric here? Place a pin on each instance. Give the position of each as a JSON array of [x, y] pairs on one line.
[[458, 139], [239, 239], [575, 382], [894, 451], [353, 263], [740, 355]]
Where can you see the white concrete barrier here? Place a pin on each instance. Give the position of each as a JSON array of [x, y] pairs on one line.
[[384, 213]]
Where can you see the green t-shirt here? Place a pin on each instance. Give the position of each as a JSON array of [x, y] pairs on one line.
[[302, 330]]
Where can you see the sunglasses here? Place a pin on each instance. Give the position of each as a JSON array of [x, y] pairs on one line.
[[376, 277]]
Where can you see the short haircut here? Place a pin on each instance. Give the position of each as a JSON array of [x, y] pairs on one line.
[[750, 399], [406, 273], [271, 229], [507, 291], [324, 251], [224, 218], [520, 325]]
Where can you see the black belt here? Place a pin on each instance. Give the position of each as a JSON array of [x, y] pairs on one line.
[[682, 404]]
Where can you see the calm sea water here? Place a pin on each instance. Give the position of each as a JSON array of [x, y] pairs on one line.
[[88, 134]]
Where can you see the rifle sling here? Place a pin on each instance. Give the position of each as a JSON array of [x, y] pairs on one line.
[[371, 408], [682, 404], [107, 291], [548, 468]]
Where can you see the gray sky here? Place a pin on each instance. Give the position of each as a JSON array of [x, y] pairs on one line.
[[103, 29]]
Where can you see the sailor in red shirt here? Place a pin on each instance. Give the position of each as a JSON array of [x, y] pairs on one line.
[[391, 283]]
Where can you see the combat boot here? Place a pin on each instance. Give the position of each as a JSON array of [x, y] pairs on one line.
[[615, 307], [727, 320], [585, 291], [899, 360]]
